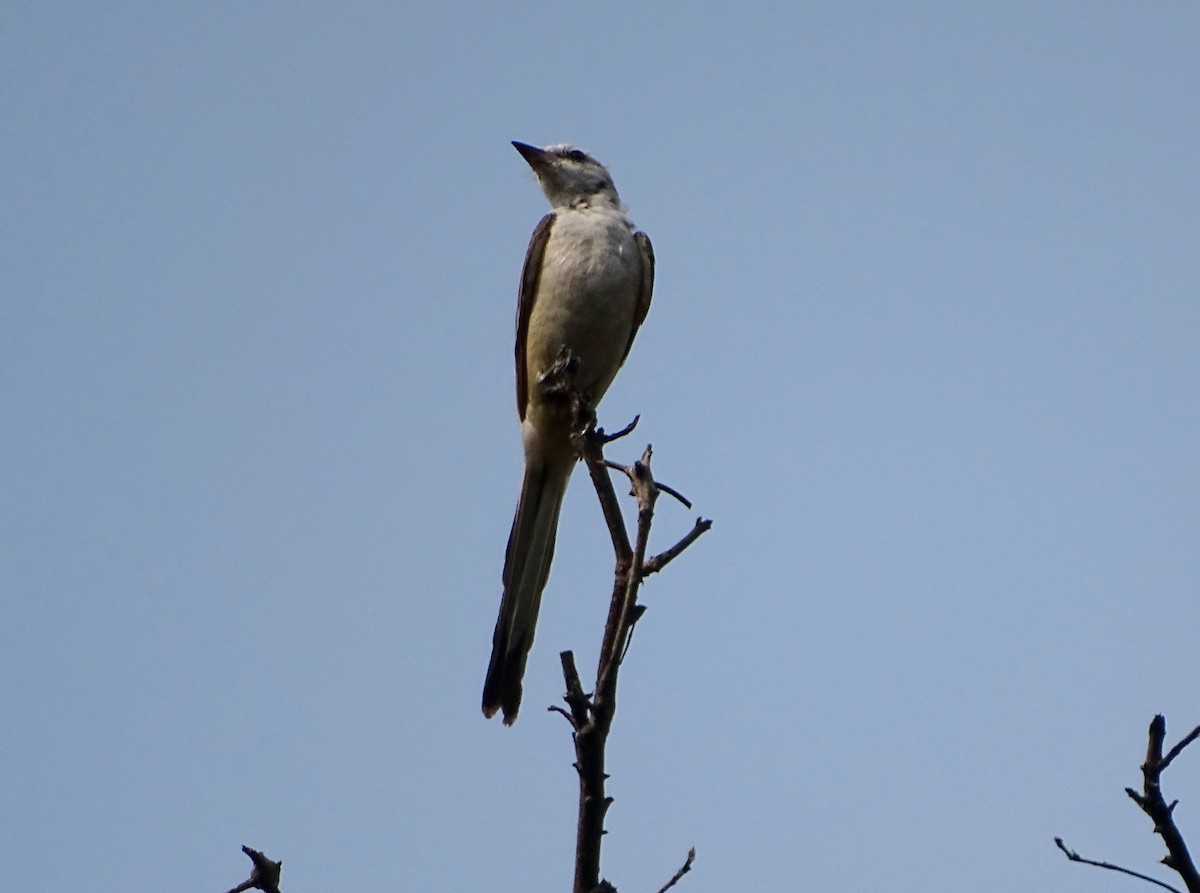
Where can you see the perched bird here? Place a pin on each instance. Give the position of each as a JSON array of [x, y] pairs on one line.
[[585, 288]]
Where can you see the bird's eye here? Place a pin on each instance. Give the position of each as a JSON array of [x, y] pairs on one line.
[[577, 155]]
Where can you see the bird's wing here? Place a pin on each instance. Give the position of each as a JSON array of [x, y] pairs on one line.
[[530, 274], [645, 287]]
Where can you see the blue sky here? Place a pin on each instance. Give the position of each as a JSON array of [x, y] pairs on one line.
[[923, 345]]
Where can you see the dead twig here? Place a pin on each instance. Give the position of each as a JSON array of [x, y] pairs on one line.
[[670, 491], [1152, 802], [628, 429], [687, 866], [591, 717], [1178, 748], [662, 559], [1075, 857]]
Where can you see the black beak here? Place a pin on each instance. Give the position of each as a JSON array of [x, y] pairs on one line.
[[536, 157]]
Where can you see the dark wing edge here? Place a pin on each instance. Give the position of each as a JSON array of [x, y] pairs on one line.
[[531, 272], [645, 287]]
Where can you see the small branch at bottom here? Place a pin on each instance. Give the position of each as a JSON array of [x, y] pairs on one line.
[[687, 866], [1075, 857]]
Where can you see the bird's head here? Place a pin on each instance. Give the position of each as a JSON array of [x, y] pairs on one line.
[[569, 176]]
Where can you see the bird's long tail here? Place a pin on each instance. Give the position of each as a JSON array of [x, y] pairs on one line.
[[526, 567]]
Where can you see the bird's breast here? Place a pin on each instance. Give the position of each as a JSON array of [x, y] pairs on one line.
[[586, 297]]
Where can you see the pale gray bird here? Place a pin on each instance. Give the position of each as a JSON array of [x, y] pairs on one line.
[[585, 287]]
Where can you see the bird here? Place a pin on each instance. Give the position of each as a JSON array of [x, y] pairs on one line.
[[585, 288]]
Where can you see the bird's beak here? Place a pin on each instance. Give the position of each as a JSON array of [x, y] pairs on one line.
[[536, 158]]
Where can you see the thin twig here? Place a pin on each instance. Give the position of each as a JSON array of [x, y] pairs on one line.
[[662, 559], [1178, 748], [638, 611], [687, 866], [628, 429], [1075, 857], [670, 491]]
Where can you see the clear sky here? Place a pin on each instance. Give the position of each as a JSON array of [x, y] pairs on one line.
[[925, 344]]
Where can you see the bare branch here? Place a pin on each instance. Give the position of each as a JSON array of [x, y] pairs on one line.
[[591, 448], [687, 866], [673, 492], [662, 559], [1155, 806], [1151, 801], [1178, 748], [628, 429], [591, 717], [670, 491], [575, 697], [1075, 857]]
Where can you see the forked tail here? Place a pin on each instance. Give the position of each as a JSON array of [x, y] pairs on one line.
[[526, 568]]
